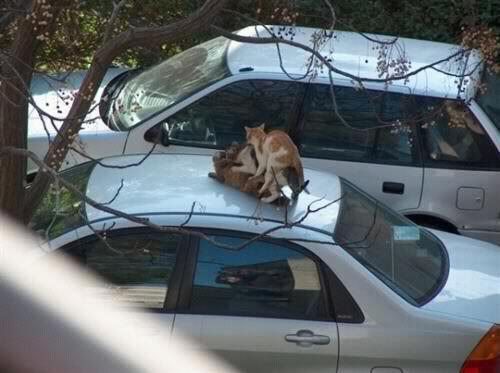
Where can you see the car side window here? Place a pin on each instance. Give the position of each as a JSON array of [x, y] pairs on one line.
[[453, 137], [373, 126], [219, 118], [135, 268], [263, 279]]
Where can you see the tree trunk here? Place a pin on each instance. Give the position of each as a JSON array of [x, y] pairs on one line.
[[16, 77], [136, 37], [16, 68]]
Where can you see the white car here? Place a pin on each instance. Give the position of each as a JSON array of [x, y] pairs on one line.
[[351, 286], [439, 164]]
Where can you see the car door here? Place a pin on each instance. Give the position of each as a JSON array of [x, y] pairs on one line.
[[140, 269], [371, 142], [462, 168], [218, 119], [263, 308]]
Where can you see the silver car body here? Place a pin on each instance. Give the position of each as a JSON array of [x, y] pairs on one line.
[[460, 199], [45, 300], [395, 335]]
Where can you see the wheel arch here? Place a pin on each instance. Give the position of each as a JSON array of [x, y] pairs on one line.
[[432, 221]]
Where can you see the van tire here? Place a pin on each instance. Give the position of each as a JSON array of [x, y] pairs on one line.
[[433, 223]]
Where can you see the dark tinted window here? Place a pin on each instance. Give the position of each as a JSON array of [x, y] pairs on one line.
[[218, 119], [453, 137], [263, 280], [325, 135], [136, 268], [489, 99]]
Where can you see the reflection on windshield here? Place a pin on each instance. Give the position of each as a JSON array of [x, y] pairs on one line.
[[405, 257], [489, 100], [159, 87], [61, 210]]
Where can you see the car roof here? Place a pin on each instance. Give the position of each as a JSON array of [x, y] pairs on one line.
[[354, 53], [171, 183]]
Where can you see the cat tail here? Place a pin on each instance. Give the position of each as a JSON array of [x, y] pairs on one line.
[[300, 172], [304, 187], [296, 180]]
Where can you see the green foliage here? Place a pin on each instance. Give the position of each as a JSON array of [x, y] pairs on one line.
[[81, 26], [438, 20], [61, 209]]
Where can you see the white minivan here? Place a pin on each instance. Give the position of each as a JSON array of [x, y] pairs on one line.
[[428, 146]]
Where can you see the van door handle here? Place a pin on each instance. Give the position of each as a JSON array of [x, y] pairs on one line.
[[306, 338], [394, 188]]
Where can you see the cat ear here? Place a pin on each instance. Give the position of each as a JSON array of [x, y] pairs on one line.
[[262, 126], [247, 129]]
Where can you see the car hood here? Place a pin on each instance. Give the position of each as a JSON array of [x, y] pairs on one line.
[[473, 286], [53, 95]]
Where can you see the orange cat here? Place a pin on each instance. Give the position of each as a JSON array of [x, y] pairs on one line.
[[275, 153], [235, 165]]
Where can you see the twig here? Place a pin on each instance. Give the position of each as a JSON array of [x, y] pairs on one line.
[[312, 51], [145, 221], [189, 216], [111, 23], [104, 165], [98, 234]]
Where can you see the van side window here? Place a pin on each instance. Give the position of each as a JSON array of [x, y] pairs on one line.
[[375, 126], [218, 119], [453, 137]]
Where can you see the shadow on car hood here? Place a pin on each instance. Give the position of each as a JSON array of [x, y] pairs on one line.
[[473, 286]]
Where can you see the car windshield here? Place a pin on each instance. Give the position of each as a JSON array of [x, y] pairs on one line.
[[408, 259], [165, 84], [63, 210], [489, 99]]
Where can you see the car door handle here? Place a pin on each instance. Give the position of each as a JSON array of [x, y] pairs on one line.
[[306, 338], [394, 188]]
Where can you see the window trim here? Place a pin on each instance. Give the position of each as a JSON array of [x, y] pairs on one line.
[[339, 294], [324, 276], [170, 301]]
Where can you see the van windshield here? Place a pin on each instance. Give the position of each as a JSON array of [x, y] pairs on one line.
[[489, 100], [405, 257], [165, 84]]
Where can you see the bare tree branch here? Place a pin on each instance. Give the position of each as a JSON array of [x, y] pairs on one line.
[[111, 23], [135, 37], [53, 175], [102, 164]]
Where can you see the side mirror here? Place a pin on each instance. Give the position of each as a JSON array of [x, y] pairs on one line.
[[158, 134]]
